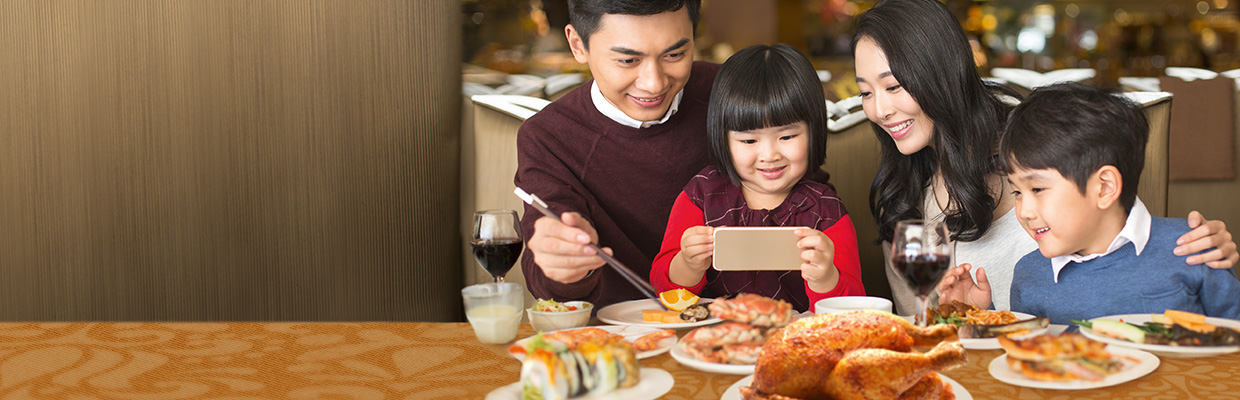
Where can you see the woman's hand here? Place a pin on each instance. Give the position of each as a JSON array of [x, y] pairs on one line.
[[957, 285], [1206, 235], [817, 260]]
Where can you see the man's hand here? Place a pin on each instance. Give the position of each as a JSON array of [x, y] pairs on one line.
[[560, 248], [1206, 235], [817, 260], [957, 285]]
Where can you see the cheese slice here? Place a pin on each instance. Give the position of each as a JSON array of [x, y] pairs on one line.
[[663, 316], [1193, 321]]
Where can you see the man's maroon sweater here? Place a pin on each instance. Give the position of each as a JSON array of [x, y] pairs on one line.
[[623, 180]]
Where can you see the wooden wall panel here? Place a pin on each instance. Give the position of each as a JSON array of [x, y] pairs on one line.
[[229, 160]]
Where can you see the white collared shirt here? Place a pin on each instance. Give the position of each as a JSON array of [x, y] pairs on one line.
[[611, 111], [1136, 231]]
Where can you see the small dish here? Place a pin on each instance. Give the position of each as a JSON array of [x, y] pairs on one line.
[[851, 303], [547, 321]]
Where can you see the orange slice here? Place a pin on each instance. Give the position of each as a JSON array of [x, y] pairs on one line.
[[678, 299]]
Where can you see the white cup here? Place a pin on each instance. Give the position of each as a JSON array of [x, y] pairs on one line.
[[494, 310], [851, 303]]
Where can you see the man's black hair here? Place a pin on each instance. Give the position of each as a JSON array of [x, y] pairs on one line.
[[584, 15]]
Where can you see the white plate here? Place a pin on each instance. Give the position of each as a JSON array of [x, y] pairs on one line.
[[1162, 349], [993, 343], [1136, 363], [734, 391], [630, 313], [685, 358], [654, 383], [630, 333]]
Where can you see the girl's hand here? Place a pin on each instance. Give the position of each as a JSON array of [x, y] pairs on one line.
[[697, 247], [817, 260], [957, 285], [1206, 235]]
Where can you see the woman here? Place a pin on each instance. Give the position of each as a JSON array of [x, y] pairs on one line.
[[938, 124]]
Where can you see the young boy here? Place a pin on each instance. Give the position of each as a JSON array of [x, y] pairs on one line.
[[1073, 154]]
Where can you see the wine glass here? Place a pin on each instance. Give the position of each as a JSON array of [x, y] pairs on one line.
[[921, 253], [497, 241]]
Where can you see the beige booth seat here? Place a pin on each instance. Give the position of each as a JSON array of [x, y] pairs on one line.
[[853, 155], [1153, 189], [488, 164]]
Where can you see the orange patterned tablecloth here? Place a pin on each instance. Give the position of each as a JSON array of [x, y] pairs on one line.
[[248, 360]]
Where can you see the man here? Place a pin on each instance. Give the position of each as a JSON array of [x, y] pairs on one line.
[[612, 155]]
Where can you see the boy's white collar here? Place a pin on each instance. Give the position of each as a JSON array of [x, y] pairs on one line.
[[1136, 231], [611, 111]]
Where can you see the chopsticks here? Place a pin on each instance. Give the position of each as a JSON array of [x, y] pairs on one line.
[[628, 274]]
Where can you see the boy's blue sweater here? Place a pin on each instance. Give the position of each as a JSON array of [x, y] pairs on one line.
[[1125, 283]]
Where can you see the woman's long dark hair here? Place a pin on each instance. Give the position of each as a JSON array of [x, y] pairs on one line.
[[931, 58]]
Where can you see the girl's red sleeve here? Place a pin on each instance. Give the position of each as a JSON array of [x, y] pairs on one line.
[[684, 215], [847, 261]]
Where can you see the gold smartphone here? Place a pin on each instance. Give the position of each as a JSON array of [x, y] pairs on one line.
[[756, 249]]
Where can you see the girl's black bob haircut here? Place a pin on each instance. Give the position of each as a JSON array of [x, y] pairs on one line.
[[766, 86]]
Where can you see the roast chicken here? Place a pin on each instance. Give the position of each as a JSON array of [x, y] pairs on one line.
[[855, 355]]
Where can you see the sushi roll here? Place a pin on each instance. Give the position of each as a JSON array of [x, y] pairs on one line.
[[551, 373]]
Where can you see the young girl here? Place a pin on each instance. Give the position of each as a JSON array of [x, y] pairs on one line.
[[767, 127]]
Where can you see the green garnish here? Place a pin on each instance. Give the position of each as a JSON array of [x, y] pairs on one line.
[[952, 320], [1149, 328]]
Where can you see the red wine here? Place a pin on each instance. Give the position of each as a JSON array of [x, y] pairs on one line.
[[497, 255], [923, 272]]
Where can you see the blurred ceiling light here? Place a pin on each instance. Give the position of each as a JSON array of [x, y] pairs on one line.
[[1031, 40], [1209, 40], [1089, 40], [1220, 4], [989, 22], [1044, 18], [539, 17], [850, 8], [1072, 10], [1122, 17]]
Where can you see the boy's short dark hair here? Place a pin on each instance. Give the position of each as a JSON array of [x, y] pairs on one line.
[[766, 86], [585, 14], [1076, 129]]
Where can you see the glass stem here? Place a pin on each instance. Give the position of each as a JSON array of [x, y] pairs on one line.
[[921, 310]]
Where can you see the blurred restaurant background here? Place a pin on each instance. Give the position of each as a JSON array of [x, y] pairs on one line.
[[1117, 38], [1177, 58], [319, 160]]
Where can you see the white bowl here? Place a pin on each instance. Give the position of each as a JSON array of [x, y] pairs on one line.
[[851, 303], [546, 321]]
